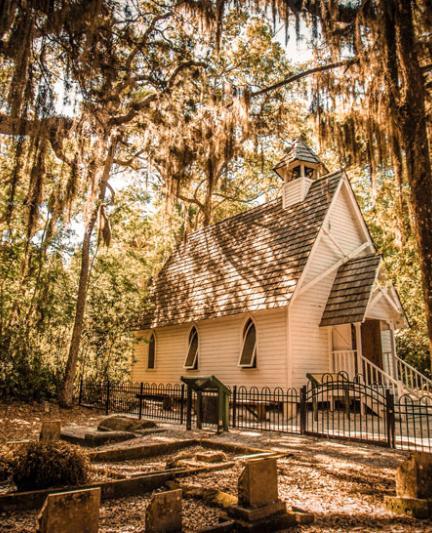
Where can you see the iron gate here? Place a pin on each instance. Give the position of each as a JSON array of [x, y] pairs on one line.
[[353, 410]]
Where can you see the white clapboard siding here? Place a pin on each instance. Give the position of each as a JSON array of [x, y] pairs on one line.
[[219, 351], [343, 225], [382, 310], [309, 344]]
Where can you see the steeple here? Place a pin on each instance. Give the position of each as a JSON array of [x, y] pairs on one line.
[[300, 161], [298, 169]]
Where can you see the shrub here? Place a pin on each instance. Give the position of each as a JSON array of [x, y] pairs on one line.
[[40, 465], [5, 469]]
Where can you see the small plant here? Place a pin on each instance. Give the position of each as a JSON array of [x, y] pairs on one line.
[[5, 469], [40, 465]]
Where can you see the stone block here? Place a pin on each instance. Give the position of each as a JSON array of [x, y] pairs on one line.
[[277, 522], [84, 436], [70, 512], [415, 507], [223, 527], [211, 457], [164, 512], [257, 513], [50, 430], [414, 476], [124, 423], [258, 484]]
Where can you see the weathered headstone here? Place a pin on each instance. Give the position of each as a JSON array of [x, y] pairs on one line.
[[414, 476], [258, 484], [70, 512], [50, 430], [413, 487], [164, 512], [259, 508]]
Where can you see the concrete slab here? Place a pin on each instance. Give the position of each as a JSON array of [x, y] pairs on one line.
[[89, 437]]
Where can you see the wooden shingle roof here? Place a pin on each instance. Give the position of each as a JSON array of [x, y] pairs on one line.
[[299, 151], [351, 291], [247, 262]]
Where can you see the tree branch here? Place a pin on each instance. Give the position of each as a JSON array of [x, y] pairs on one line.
[[139, 106], [300, 75], [24, 126]]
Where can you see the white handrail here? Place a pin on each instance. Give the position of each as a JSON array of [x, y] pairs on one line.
[[400, 376], [411, 377], [374, 375]]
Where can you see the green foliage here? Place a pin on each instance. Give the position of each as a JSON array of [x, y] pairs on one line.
[[202, 153], [5, 468], [391, 230], [40, 465]]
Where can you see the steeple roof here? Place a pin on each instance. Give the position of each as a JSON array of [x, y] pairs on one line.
[[299, 151]]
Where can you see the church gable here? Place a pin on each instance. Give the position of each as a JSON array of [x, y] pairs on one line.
[[248, 262]]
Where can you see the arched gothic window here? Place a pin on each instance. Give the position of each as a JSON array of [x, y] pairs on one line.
[[151, 358], [248, 356], [192, 356]]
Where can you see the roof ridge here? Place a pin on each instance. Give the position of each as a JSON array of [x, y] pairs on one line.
[[253, 209]]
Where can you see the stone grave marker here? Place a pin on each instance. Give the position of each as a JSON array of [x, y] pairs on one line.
[[70, 512], [164, 512], [413, 487], [258, 484], [414, 476], [50, 430], [259, 509]]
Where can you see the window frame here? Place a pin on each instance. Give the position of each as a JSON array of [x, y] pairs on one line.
[[195, 365], [152, 334], [246, 326]]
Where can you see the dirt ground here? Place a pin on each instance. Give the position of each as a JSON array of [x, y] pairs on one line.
[[343, 484]]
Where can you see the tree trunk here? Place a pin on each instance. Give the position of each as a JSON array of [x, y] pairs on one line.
[[214, 171], [407, 99], [66, 393]]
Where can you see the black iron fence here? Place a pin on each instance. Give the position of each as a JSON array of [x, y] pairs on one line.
[[162, 402], [333, 407], [413, 422], [265, 409]]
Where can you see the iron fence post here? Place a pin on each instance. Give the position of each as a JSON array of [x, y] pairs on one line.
[[182, 394], [303, 413], [234, 411], [189, 408], [390, 414], [141, 400], [107, 402], [199, 409]]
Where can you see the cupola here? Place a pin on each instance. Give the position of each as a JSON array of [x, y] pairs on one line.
[[298, 169]]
